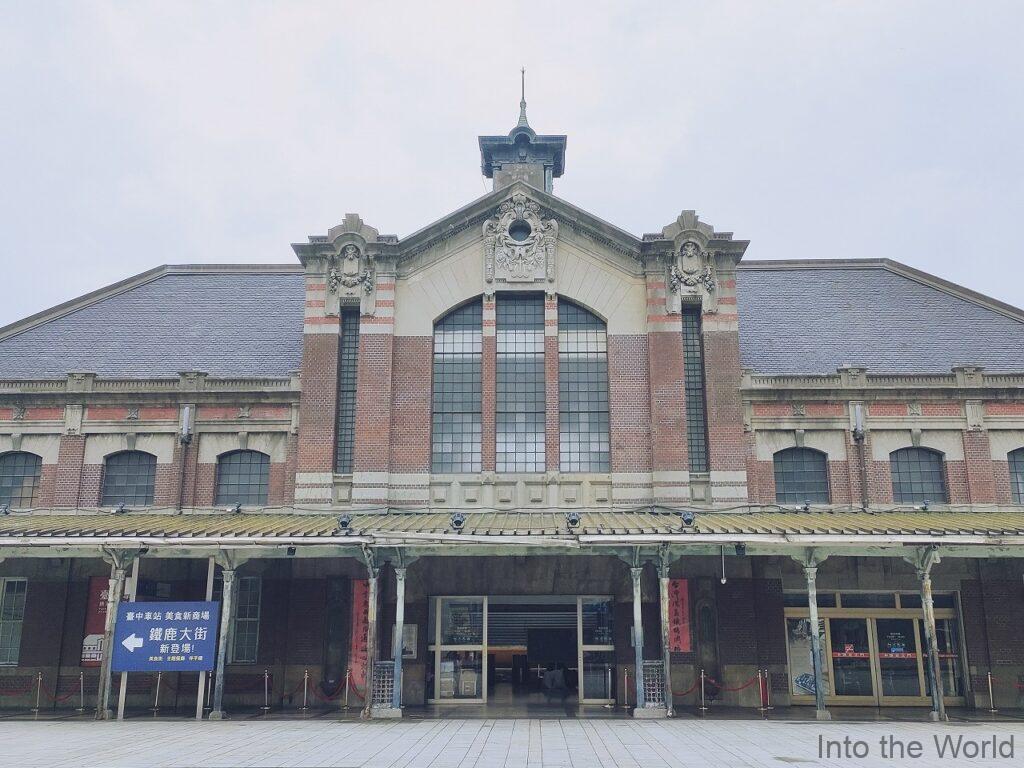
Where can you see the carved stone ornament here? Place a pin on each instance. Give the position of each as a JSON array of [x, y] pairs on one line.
[[519, 245], [348, 273], [19, 413], [691, 270]]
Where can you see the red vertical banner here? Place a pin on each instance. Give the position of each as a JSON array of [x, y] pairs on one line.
[[95, 621], [679, 616], [357, 657]]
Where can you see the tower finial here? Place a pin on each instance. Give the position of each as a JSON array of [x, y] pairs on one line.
[[522, 102]]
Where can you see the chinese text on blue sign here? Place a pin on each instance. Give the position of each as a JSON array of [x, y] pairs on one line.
[[168, 637]]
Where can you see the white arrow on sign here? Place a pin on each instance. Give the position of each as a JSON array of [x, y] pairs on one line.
[[132, 642]]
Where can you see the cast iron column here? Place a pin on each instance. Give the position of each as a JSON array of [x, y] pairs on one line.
[[396, 695], [638, 638], [811, 572], [115, 590], [226, 605], [371, 638], [934, 670], [666, 654]]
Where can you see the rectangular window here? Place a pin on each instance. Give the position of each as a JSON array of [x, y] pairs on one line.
[[456, 428], [520, 383], [247, 620], [582, 391], [12, 616], [696, 405], [348, 358]]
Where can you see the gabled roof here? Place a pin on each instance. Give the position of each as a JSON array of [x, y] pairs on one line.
[[807, 317], [229, 321]]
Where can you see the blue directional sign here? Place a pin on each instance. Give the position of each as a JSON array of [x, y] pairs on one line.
[[168, 637]]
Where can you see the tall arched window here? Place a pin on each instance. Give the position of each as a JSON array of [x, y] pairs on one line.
[[128, 478], [801, 474], [456, 426], [243, 477], [1016, 461], [582, 390], [917, 476], [19, 478]]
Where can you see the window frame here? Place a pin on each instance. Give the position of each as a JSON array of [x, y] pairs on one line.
[[520, 381], [1015, 468], [583, 367], [899, 497], [107, 496], [9, 458], [804, 496], [10, 657], [456, 372], [347, 379], [217, 488], [254, 621], [695, 387]]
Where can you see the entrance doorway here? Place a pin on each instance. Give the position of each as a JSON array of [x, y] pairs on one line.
[[521, 649], [873, 649]]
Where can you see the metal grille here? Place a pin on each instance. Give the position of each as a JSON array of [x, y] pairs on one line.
[[582, 390], [1016, 460], [348, 360], [383, 684], [917, 476], [801, 474], [243, 477], [693, 378], [456, 395], [520, 383], [654, 683], [19, 478], [128, 478]]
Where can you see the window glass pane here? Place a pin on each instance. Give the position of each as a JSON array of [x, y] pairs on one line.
[[19, 478], [243, 477], [520, 391], [1016, 460], [597, 621], [455, 428], [461, 675], [917, 476], [462, 621], [693, 377], [897, 657], [128, 478], [801, 659], [582, 390], [801, 474], [598, 673], [12, 615], [947, 635], [348, 359], [247, 619], [851, 657]]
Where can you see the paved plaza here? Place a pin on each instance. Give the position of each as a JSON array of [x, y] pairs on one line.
[[456, 743]]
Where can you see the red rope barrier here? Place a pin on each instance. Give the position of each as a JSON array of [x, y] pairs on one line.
[[689, 690], [55, 698], [721, 687]]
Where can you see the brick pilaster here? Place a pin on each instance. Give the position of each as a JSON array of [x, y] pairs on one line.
[[981, 486], [629, 403], [68, 477]]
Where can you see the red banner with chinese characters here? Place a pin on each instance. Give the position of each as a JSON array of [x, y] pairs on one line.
[[679, 616], [95, 621], [357, 660]]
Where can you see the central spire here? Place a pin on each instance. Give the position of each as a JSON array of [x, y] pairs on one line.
[[522, 102]]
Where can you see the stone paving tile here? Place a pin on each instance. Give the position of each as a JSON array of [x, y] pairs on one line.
[[475, 744]]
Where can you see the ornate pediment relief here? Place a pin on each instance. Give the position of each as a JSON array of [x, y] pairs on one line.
[[691, 270], [519, 245]]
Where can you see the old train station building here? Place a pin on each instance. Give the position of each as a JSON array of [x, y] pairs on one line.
[[521, 458]]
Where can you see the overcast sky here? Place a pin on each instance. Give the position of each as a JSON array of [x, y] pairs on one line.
[[145, 133]]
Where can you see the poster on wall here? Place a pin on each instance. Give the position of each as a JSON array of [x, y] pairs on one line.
[[679, 640], [95, 621], [409, 637], [357, 660]]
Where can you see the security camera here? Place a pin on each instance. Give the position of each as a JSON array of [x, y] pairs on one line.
[[344, 521], [291, 551], [237, 507], [572, 519], [741, 549], [688, 517], [458, 521]]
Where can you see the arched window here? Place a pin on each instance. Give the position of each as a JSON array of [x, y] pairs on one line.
[[917, 476], [1016, 460], [128, 478], [455, 427], [243, 477], [582, 390], [801, 474], [19, 478]]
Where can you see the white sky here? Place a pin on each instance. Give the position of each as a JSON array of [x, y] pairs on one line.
[[144, 133]]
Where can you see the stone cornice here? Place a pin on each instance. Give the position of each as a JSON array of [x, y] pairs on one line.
[[190, 385]]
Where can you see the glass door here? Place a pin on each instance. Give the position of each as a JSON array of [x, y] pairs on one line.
[[596, 649], [900, 672], [852, 672], [459, 649]]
